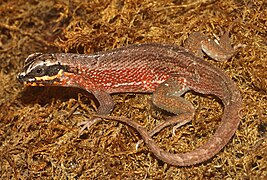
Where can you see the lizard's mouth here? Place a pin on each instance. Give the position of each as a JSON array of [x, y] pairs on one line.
[[40, 83], [45, 80]]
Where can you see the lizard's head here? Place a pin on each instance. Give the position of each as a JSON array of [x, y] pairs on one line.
[[41, 69]]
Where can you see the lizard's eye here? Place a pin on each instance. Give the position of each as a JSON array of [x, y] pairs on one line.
[[39, 71]]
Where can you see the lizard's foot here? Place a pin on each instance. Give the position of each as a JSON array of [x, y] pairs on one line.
[[179, 125], [87, 124], [219, 49], [106, 105], [179, 120]]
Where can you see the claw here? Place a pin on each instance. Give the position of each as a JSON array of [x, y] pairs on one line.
[[137, 144], [179, 125], [87, 124], [173, 130]]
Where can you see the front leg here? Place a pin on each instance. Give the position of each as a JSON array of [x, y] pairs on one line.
[[106, 105]]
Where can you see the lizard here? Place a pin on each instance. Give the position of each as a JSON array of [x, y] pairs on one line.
[[167, 71]]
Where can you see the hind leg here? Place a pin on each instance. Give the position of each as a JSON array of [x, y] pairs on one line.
[[168, 97]]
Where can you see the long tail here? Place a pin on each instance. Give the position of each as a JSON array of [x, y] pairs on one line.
[[223, 134]]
